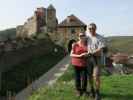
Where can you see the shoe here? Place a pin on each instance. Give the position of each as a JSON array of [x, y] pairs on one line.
[[86, 93], [92, 93], [78, 93], [97, 96]]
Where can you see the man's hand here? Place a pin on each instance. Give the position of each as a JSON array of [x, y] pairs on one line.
[[98, 53]]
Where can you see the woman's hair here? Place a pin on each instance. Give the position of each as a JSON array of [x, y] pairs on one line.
[[85, 37]]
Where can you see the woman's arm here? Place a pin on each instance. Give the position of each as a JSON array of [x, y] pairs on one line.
[[72, 52], [75, 55]]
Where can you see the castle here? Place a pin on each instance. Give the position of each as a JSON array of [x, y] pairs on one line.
[[44, 20]]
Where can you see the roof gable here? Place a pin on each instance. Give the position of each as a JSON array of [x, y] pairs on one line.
[[70, 21]]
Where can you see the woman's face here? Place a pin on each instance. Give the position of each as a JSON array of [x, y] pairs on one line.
[[82, 37]]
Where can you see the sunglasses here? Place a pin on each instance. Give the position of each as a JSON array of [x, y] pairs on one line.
[[81, 35], [91, 28]]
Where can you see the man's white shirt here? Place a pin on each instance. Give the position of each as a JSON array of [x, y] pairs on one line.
[[95, 42]]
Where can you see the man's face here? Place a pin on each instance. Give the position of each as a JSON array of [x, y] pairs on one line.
[[92, 30]]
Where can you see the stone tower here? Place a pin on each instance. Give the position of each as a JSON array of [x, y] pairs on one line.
[[51, 19], [40, 14]]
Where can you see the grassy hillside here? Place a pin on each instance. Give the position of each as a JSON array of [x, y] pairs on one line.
[[121, 44], [113, 88], [22, 75], [8, 33]]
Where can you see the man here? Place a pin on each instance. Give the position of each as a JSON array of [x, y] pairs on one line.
[[96, 44]]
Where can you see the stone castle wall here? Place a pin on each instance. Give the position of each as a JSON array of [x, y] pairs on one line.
[[28, 29], [31, 26]]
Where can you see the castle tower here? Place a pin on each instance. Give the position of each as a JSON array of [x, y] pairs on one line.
[[51, 19], [40, 14]]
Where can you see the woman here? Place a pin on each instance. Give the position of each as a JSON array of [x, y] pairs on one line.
[[79, 62]]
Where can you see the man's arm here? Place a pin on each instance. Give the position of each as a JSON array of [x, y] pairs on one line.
[[101, 45]]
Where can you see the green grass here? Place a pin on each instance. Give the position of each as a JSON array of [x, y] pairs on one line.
[[17, 78], [114, 87]]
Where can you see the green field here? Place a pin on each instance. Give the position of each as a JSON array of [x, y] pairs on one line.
[[121, 44], [113, 88]]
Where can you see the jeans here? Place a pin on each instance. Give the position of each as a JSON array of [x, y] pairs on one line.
[[80, 78]]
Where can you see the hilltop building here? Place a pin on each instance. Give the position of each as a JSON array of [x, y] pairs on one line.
[[70, 27], [43, 20]]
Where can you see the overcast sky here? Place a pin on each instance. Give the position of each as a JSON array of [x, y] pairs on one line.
[[113, 17]]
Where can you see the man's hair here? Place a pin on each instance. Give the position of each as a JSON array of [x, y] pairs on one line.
[[93, 25]]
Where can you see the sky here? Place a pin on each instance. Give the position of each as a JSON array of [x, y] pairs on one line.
[[113, 17]]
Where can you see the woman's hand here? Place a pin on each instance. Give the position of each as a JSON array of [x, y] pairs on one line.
[[84, 54]]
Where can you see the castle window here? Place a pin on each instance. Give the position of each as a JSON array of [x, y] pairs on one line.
[[82, 30], [73, 31], [40, 14]]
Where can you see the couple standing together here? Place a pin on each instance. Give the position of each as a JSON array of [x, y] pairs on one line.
[[86, 60]]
